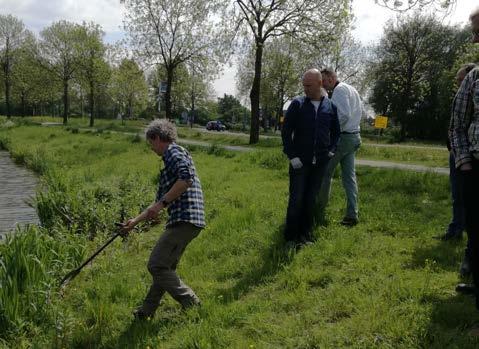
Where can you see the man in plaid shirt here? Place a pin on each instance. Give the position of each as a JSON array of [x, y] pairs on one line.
[[180, 192], [464, 135]]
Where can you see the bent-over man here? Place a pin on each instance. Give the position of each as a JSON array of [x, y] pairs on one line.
[[179, 191], [347, 100]]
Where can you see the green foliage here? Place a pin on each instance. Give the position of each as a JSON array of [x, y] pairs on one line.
[[270, 159], [4, 142], [194, 38], [12, 35], [411, 73], [129, 88], [59, 55], [230, 109], [302, 21], [87, 210], [429, 156], [93, 68], [32, 260], [136, 138]]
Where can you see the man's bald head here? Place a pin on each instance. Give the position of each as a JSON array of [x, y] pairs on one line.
[[312, 83], [312, 74]]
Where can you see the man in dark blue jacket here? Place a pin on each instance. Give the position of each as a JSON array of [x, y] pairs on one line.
[[310, 134]]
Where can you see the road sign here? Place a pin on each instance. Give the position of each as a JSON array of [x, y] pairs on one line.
[[381, 122]]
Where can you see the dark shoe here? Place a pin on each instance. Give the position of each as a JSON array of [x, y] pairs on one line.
[[465, 269], [140, 314], [307, 239], [349, 221], [192, 303], [474, 331], [302, 244], [465, 288]]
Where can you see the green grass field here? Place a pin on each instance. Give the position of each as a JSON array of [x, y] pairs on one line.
[[370, 150], [382, 284]]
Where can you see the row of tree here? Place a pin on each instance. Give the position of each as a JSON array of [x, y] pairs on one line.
[[69, 69], [68, 62], [412, 74], [182, 44], [201, 34]]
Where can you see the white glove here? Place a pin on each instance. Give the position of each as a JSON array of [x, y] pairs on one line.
[[330, 154], [296, 163]]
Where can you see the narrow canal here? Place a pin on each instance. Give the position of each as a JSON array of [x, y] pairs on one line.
[[17, 187]]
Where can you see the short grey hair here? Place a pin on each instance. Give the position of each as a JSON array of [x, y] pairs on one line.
[[329, 72], [467, 67], [163, 129]]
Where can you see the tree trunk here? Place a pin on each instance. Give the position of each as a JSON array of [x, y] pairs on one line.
[[23, 104], [192, 116], [169, 79], [81, 103], [65, 101], [6, 71], [92, 103], [279, 114], [255, 94]]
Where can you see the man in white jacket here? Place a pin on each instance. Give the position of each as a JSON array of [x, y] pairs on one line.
[[348, 103]]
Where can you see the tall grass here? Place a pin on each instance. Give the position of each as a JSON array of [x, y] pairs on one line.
[[382, 284], [427, 156], [32, 261]]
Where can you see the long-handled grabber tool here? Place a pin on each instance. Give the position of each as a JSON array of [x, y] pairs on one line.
[[71, 275]]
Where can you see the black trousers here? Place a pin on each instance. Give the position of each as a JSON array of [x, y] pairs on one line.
[[304, 185], [471, 206]]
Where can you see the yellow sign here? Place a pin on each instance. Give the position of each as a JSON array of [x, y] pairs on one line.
[[381, 122]]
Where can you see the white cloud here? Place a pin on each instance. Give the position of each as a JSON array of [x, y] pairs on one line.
[[371, 18], [225, 84], [39, 14]]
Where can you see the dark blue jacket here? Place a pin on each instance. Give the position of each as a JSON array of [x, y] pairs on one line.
[[306, 133]]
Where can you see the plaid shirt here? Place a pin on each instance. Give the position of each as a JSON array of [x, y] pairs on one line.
[[189, 206], [464, 125]]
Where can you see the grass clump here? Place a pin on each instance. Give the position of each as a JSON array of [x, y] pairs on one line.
[[32, 261]]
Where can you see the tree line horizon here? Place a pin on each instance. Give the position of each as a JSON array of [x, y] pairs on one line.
[[68, 68]]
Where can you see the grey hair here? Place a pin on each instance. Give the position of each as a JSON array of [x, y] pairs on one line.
[[329, 72], [467, 67], [162, 128]]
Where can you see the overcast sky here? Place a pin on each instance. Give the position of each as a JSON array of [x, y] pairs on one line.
[[37, 14]]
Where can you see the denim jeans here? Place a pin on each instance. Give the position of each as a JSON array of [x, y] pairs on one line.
[[347, 146], [304, 185]]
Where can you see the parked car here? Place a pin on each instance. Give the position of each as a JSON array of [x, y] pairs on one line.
[[215, 125]]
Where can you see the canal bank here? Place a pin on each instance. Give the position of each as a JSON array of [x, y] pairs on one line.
[[17, 187]]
